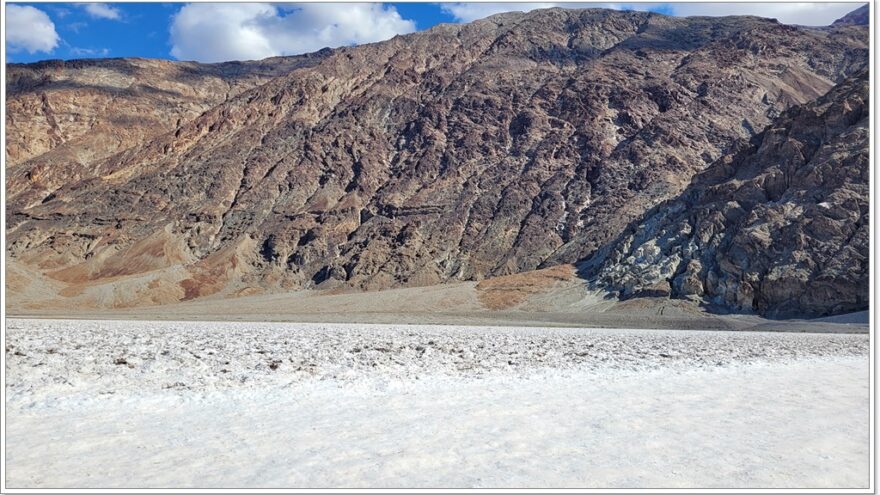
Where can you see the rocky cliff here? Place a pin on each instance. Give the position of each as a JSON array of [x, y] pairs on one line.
[[465, 151], [779, 226]]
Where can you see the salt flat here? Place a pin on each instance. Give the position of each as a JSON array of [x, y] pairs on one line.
[[161, 404]]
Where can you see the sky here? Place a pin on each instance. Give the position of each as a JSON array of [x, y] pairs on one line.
[[217, 32]]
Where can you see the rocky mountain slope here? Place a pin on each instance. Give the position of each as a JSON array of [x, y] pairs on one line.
[[779, 227], [62, 116], [860, 16], [465, 151]]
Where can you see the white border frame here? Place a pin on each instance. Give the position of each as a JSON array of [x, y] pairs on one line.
[[872, 305]]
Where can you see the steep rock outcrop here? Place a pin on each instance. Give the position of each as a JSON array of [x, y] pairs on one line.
[[778, 227]]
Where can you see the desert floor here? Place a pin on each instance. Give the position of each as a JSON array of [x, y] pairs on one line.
[[212, 404]]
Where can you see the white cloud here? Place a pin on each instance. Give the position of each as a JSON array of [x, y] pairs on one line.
[[90, 52], [102, 11], [249, 31], [467, 12], [77, 26], [810, 14], [60, 12], [29, 29]]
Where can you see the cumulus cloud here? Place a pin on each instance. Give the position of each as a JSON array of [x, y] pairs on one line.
[[809, 14], [250, 31], [102, 11], [29, 29]]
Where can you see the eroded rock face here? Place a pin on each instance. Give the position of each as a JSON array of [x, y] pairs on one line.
[[779, 227], [63, 116], [466, 151]]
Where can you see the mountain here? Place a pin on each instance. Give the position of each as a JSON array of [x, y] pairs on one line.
[[779, 226], [80, 111], [860, 17], [517, 142]]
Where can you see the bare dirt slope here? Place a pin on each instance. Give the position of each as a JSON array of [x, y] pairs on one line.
[[552, 297]]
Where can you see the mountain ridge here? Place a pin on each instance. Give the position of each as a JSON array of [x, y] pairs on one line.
[[517, 141], [859, 16]]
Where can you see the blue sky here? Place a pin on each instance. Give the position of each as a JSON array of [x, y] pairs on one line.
[[218, 32]]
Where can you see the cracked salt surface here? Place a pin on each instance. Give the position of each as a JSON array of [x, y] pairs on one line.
[[107, 356], [153, 404]]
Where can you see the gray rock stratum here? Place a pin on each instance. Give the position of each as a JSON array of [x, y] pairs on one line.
[[511, 143], [779, 227]]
